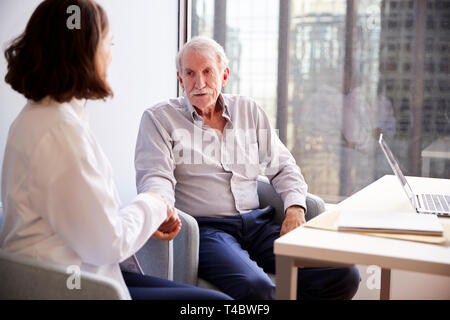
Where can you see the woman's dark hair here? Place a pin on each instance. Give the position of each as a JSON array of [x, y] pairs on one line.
[[51, 59]]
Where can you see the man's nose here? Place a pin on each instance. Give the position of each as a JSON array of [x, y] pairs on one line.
[[199, 81]]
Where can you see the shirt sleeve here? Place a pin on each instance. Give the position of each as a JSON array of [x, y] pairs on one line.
[[154, 161], [78, 198], [280, 166]]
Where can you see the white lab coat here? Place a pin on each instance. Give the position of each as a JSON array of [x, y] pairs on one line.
[[60, 201]]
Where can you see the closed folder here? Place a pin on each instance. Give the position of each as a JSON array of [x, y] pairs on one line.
[[329, 221], [390, 222]]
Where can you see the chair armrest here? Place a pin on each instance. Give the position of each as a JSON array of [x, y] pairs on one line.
[[156, 258], [315, 206], [26, 278], [176, 259], [268, 196], [186, 250]]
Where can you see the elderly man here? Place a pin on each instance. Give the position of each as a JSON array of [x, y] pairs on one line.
[[202, 152]]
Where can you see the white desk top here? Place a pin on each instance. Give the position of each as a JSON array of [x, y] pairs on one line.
[[341, 247], [438, 149]]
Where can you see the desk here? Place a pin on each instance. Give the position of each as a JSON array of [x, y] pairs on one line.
[[320, 248], [439, 149]]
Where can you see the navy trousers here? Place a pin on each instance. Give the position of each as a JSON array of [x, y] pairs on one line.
[[144, 287], [236, 253]]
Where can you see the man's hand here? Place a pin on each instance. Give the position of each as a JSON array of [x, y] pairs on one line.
[[159, 235], [295, 217]]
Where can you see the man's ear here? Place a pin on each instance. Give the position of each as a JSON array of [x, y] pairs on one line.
[[226, 74], [181, 80]]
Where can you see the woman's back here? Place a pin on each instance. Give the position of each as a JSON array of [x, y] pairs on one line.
[[60, 201], [36, 152]]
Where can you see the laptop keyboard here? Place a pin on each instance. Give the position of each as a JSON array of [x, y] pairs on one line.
[[436, 202]]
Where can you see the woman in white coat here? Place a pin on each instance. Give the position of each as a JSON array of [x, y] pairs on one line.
[[60, 200]]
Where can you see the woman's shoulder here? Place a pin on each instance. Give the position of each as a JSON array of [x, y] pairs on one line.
[[48, 123]]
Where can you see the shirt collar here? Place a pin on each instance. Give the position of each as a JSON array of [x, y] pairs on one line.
[[226, 112], [194, 114]]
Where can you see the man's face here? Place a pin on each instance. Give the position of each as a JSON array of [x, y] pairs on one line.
[[202, 78]]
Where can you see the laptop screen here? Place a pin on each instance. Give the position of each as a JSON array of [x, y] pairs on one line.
[[394, 165]]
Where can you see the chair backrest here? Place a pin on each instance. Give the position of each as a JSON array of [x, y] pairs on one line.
[[268, 196]]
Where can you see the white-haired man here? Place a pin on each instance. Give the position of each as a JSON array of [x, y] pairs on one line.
[[202, 152]]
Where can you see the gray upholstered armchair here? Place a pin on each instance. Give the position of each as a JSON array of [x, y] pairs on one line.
[[27, 278], [24, 278], [178, 259]]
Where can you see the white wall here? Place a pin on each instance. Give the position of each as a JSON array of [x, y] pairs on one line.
[[142, 73]]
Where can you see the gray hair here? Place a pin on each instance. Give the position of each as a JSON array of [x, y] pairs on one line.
[[205, 45]]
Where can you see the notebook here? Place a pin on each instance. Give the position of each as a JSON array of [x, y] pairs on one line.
[[390, 222], [328, 220]]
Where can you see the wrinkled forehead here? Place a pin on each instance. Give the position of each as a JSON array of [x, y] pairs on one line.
[[199, 58]]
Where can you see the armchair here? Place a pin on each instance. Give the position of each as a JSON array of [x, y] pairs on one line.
[[27, 278], [24, 278], [178, 259]]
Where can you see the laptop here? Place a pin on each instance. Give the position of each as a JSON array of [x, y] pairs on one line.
[[438, 204]]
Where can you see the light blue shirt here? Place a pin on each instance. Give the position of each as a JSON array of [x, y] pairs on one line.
[[208, 173]]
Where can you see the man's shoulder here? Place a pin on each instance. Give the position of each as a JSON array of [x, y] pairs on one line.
[[237, 99], [163, 108], [241, 102]]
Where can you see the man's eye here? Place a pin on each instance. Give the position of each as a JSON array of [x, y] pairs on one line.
[[189, 73]]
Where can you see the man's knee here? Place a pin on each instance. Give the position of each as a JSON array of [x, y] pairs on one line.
[[349, 278], [328, 283], [258, 288]]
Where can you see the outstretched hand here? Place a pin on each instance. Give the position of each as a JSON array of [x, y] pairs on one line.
[[169, 229]]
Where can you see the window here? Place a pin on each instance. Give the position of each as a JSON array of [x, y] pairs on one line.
[[333, 74]]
